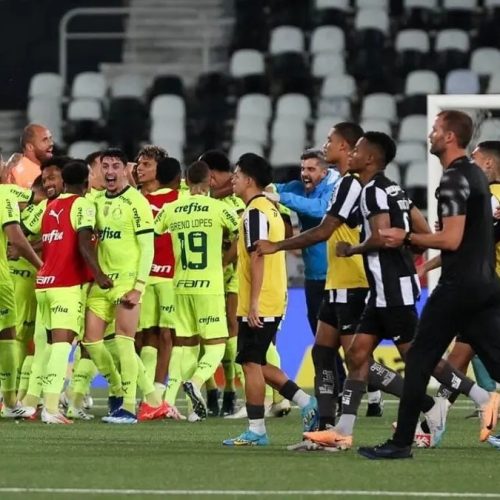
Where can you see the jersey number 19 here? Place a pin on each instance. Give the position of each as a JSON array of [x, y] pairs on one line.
[[194, 254]]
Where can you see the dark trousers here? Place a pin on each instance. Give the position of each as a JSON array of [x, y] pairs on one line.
[[474, 312], [315, 291]]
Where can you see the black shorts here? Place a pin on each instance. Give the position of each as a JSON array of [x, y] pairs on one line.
[[343, 316], [253, 343], [398, 323]]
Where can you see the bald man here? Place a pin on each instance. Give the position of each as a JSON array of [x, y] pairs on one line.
[[37, 145]]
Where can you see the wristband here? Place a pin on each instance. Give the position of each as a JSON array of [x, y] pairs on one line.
[[139, 286], [407, 238]]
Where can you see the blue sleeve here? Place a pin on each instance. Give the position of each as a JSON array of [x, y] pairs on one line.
[[289, 187], [312, 207]]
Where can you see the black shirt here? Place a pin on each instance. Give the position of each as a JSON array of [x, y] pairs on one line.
[[464, 190]]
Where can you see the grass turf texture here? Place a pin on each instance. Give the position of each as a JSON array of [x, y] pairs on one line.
[[171, 455]]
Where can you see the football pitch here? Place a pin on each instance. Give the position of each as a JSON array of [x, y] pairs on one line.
[[183, 460]]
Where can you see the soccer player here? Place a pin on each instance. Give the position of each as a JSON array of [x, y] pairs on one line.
[[198, 225], [159, 183], [11, 231], [220, 178], [66, 228], [261, 302], [467, 297], [125, 252], [53, 186], [37, 145]]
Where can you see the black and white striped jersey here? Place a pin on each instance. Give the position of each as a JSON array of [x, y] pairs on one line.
[[390, 271]]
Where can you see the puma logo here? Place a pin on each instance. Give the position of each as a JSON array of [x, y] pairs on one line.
[[55, 214]]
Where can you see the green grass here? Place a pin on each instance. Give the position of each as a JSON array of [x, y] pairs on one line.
[[181, 456]]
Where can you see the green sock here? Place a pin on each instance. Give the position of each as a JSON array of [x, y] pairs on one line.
[[190, 355], [146, 386], [55, 374], [40, 359], [83, 374], [8, 371], [228, 363], [22, 350], [174, 376], [149, 355], [128, 370], [273, 358], [208, 363], [483, 378], [110, 344], [24, 377], [104, 362]]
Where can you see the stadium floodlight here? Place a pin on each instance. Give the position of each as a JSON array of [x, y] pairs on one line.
[[482, 108]]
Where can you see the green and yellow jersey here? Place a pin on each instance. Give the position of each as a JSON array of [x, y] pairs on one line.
[[197, 224], [9, 214]]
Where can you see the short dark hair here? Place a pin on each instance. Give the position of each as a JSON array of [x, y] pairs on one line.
[[55, 161], [115, 153], [216, 160], [154, 152], [197, 172], [460, 124], [491, 148], [257, 168], [349, 131], [385, 145], [314, 154], [37, 183], [167, 170], [92, 157], [75, 173]]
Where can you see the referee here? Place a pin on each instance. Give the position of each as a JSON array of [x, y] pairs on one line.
[[467, 297]]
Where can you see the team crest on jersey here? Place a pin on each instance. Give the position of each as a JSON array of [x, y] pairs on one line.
[[116, 213], [106, 210], [393, 190]]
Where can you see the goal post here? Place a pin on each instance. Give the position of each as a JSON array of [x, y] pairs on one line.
[[471, 103]]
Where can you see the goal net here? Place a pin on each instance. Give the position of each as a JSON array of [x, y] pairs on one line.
[[485, 111]]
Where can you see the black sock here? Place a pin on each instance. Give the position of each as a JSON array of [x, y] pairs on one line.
[[289, 389], [453, 379], [449, 394], [324, 383], [352, 396], [255, 412]]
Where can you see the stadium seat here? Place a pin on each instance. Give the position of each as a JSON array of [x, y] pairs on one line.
[[284, 129], [84, 109], [285, 153], [128, 85], [286, 39], [372, 4], [490, 130], [322, 127], [327, 39], [419, 84], [379, 106], [246, 62], [46, 84], [168, 106], [250, 129], [494, 83], [461, 81], [485, 61], [240, 148], [413, 128], [81, 149], [372, 19], [327, 64], [376, 125], [412, 49], [164, 130], [257, 105], [412, 151], [331, 12], [89, 84], [166, 84], [416, 183], [452, 48], [460, 13], [294, 106], [339, 86], [46, 110], [393, 173]]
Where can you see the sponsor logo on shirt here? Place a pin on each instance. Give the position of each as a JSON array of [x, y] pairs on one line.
[[169, 309], [108, 234], [192, 207], [59, 309], [193, 283], [4, 312], [393, 190], [54, 235], [156, 268], [209, 319], [23, 273], [137, 217], [45, 280]]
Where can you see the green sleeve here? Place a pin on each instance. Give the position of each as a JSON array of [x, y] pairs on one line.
[[82, 214], [9, 210], [33, 222], [160, 223], [229, 220], [22, 195], [142, 216], [146, 249]]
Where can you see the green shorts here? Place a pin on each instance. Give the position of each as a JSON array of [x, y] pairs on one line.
[[24, 289], [62, 308], [231, 283], [158, 305], [203, 315], [7, 306], [103, 302]]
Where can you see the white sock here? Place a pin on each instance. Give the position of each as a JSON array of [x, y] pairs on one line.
[[374, 397], [479, 395], [257, 425], [346, 424], [301, 398]]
